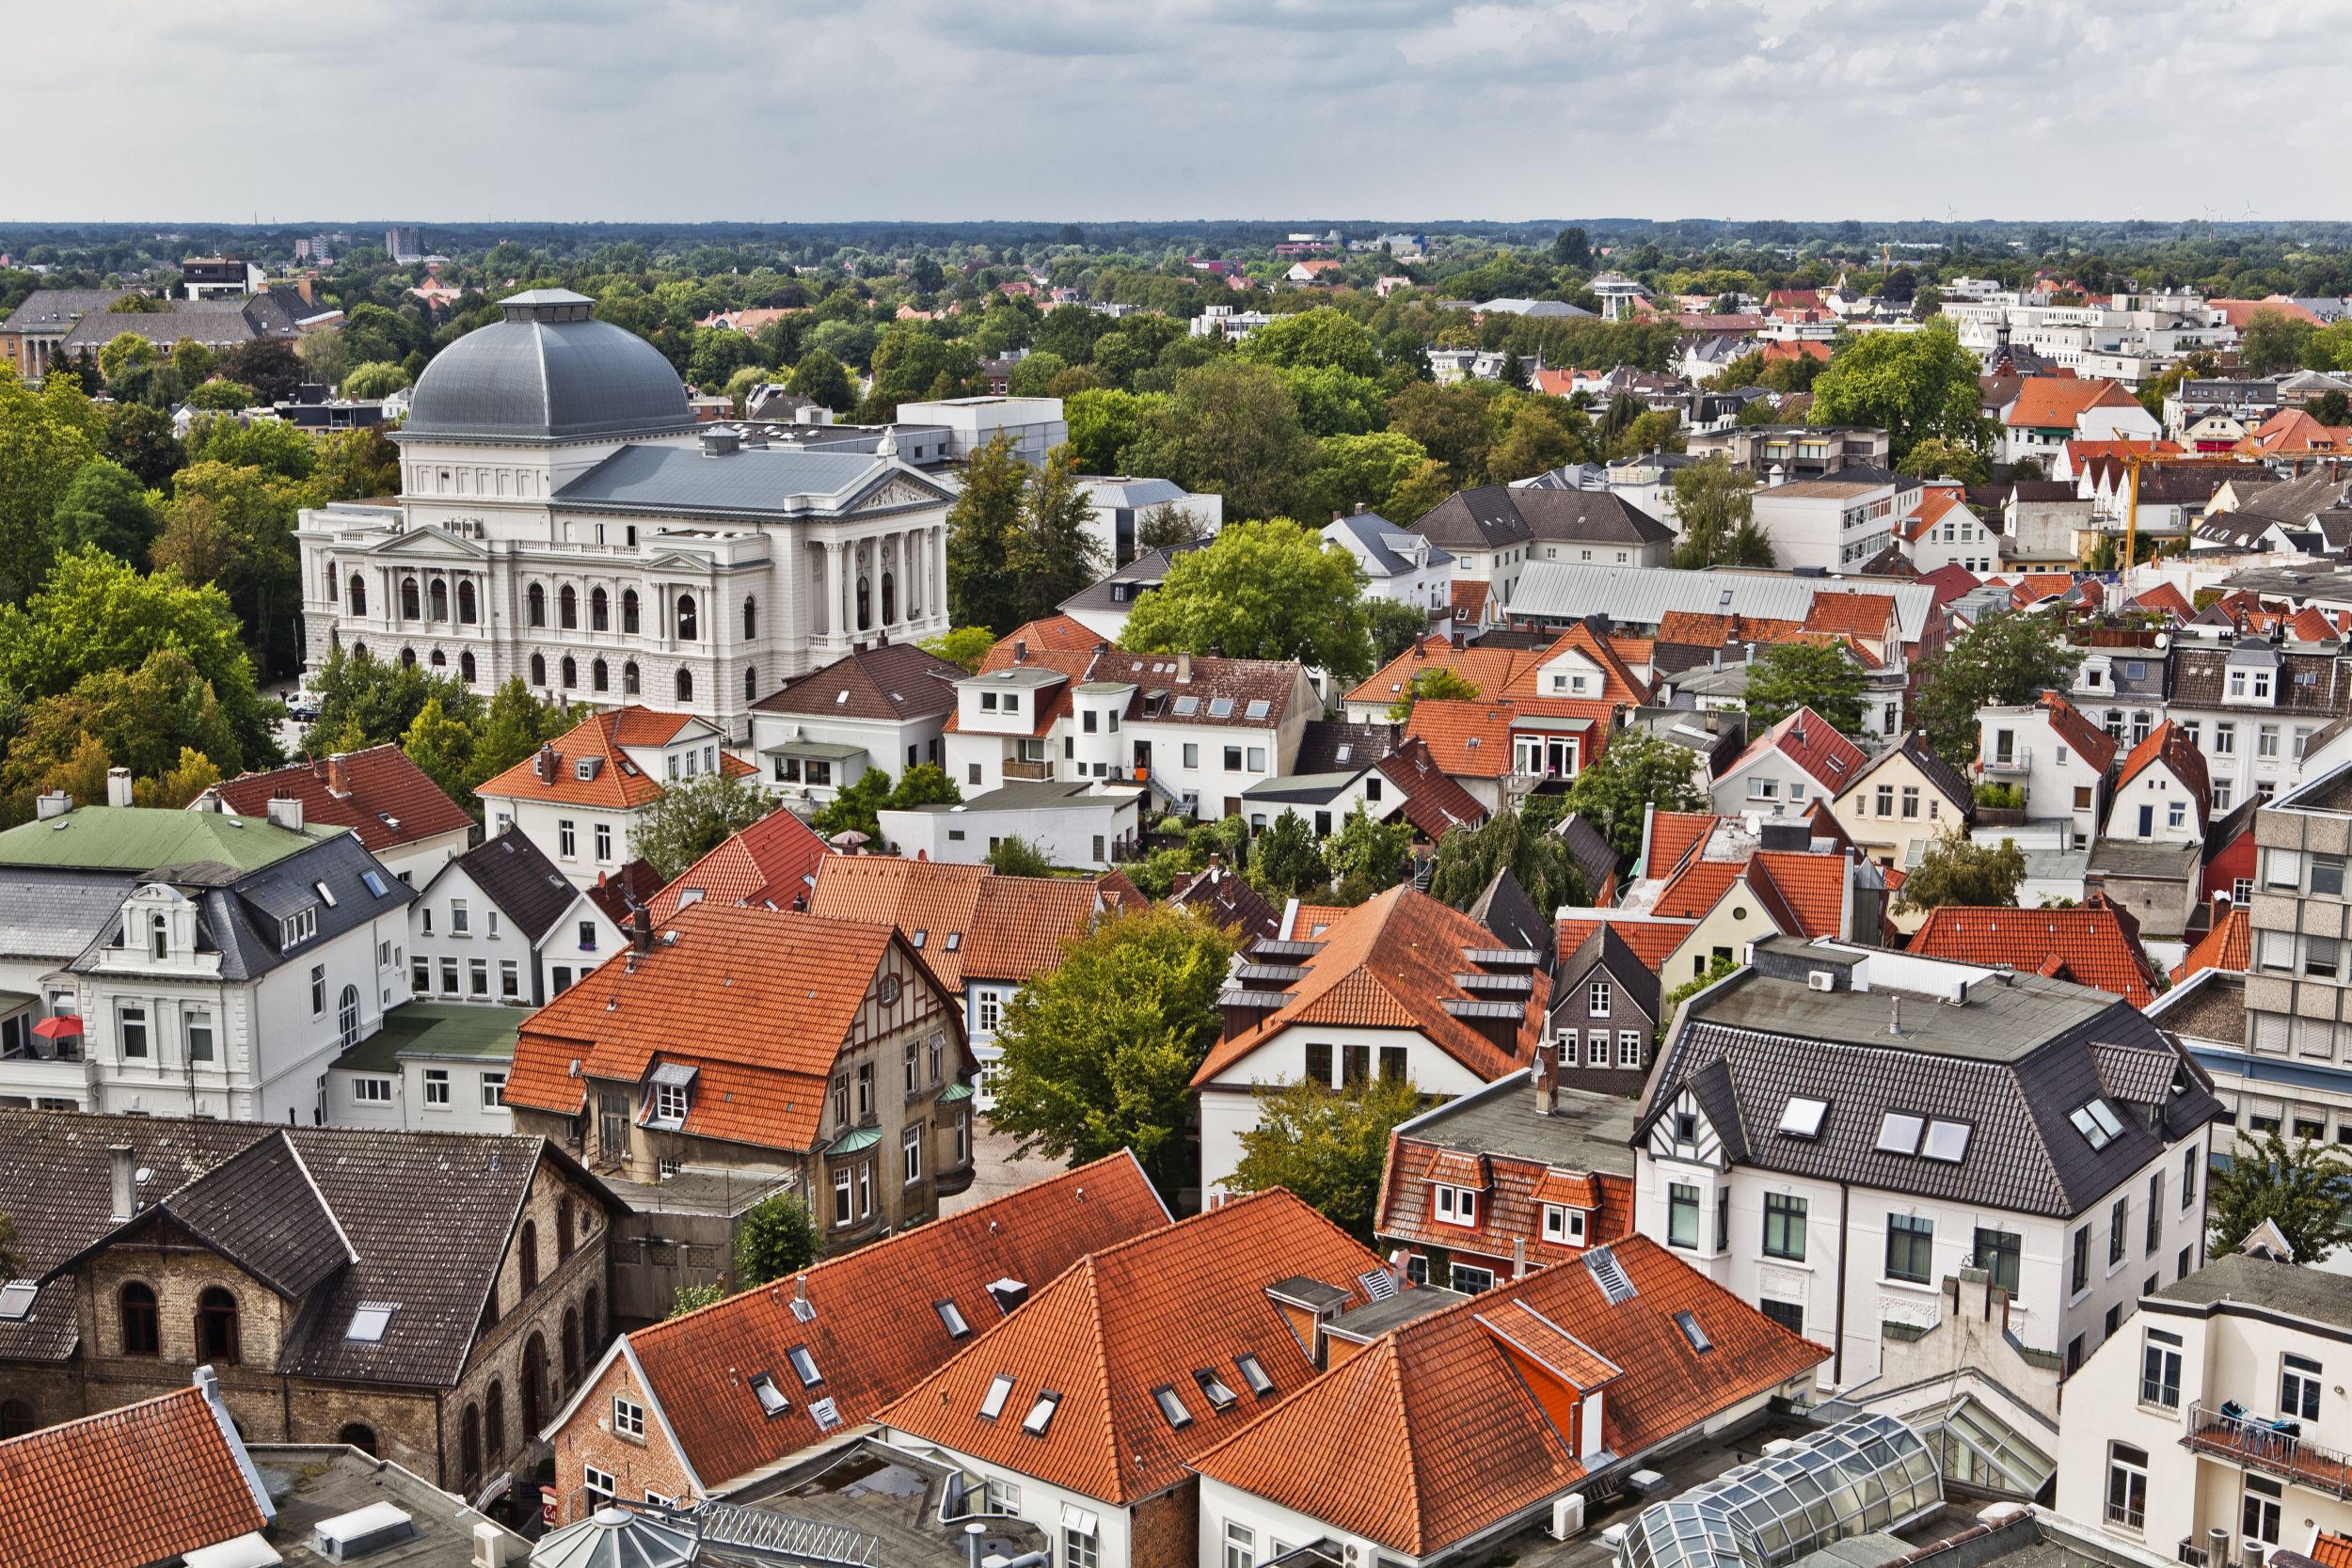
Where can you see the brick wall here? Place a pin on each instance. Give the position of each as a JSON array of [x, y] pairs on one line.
[[637, 1467], [1166, 1529]]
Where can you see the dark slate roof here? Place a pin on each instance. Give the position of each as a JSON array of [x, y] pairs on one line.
[[1588, 1132], [54, 308], [517, 876], [426, 1218], [1496, 515], [897, 680], [754, 482], [2294, 500], [2013, 1063], [1604, 948], [260, 1210], [238, 913], [1119, 589], [1590, 849], [2307, 683], [1503, 907], [55, 914], [1229, 901], [1368, 529], [1335, 746], [547, 373], [1948, 781]]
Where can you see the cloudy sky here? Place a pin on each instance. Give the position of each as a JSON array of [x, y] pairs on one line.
[[1079, 109]]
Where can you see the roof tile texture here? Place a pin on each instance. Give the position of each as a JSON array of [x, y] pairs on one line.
[[90, 1493], [365, 791], [2090, 947]]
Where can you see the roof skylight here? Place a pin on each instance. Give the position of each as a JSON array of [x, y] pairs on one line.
[[952, 1318], [771, 1400], [1688, 1323], [1258, 708], [1898, 1133], [1221, 707], [374, 882], [2096, 1123], [999, 1390], [1947, 1141], [805, 1365], [1171, 1407], [1610, 1275], [1187, 706], [369, 1321], [1212, 1387], [1253, 1375], [1802, 1116], [1041, 1415], [16, 1299]]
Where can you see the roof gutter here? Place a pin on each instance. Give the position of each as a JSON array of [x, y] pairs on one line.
[[1845, 1210]]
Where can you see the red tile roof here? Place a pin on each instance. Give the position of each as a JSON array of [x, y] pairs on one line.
[[1472, 740], [1517, 1189], [2169, 744], [1126, 1320], [1619, 684], [1021, 926], [1949, 582], [1673, 834], [382, 797], [1454, 1421], [1813, 743], [1700, 628], [2090, 742], [2090, 947], [2166, 599], [875, 1332], [1309, 922], [929, 897], [1390, 964], [773, 861], [2058, 403], [1469, 600], [2229, 946], [2331, 1550], [1490, 669], [1805, 891], [1653, 941], [1055, 634], [619, 784], [139, 1484], [761, 1002], [1434, 804]]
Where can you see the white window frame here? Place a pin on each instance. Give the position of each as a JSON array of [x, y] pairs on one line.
[[1598, 997], [1452, 1205], [629, 1418]]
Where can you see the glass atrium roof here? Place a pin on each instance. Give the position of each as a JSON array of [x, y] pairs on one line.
[[1871, 1473]]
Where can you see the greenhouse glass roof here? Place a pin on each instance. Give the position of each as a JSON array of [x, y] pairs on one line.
[[1871, 1473]]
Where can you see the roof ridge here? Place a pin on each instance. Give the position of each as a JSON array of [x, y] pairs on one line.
[[351, 1254]]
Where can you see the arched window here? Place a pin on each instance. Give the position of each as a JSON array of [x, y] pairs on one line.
[[469, 1448], [890, 599], [408, 607], [408, 657], [535, 606], [494, 1422], [528, 1249], [538, 668], [562, 1227], [685, 686], [464, 666], [216, 1326], [142, 1328], [359, 650], [864, 605], [158, 936], [347, 1015], [571, 1348], [631, 684], [628, 609], [571, 671], [596, 680], [685, 622], [567, 606], [490, 1305], [440, 659], [437, 596], [599, 611], [751, 619], [534, 1383], [465, 603], [358, 1434], [750, 684], [588, 1318], [16, 1418], [358, 595]]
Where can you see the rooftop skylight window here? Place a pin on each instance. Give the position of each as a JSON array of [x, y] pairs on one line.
[[1802, 1117], [1171, 1407], [999, 1390], [1947, 1141], [952, 1318], [805, 1365], [2097, 1123], [771, 1400], [369, 1321], [1212, 1387], [1041, 1415], [1253, 1375], [1898, 1133]]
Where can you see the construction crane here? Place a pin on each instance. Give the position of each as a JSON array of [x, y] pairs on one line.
[[2135, 461]]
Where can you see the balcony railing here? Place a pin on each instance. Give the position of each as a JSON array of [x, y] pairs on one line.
[[2191, 1554], [2278, 1447], [1016, 768], [2019, 760]]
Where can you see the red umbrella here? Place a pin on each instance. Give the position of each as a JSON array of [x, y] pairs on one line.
[[58, 1028]]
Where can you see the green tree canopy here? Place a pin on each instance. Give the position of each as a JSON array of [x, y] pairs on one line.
[[964, 646], [1956, 870], [1099, 1053], [1322, 338], [1326, 1145], [1468, 859], [2001, 661], [984, 528], [2304, 1188], [1367, 856], [1271, 590], [1358, 471], [375, 379], [105, 507], [821, 378], [1914, 386], [47, 435], [776, 1237], [1286, 862], [1637, 769], [1821, 676], [1716, 504], [695, 818], [1053, 553], [1233, 427], [1436, 683]]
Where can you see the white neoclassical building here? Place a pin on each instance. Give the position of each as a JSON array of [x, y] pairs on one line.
[[563, 519]]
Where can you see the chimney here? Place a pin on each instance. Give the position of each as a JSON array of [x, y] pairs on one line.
[[1337, 514], [1184, 669], [122, 1164], [338, 773], [1518, 1257], [545, 763], [1545, 1075], [284, 812], [1362, 507], [118, 786], [50, 804], [641, 929]]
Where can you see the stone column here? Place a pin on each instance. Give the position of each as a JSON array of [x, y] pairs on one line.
[[833, 589]]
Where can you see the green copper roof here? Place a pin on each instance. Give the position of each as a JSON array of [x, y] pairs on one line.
[[141, 838], [954, 1092], [856, 1141]]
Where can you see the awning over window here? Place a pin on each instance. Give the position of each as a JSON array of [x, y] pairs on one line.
[[832, 751], [1077, 1519], [678, 1074]]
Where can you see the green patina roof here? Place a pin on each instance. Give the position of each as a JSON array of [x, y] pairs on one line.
[[856, 1141], [144, 838], [954, 1092], [436, 1029]]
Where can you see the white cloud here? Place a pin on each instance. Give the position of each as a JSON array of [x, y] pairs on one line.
[[696, 109]]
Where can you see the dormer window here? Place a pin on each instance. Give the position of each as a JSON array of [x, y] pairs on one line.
[[1564, 1225], [1455, 1205], [298, 927], [158, 936]]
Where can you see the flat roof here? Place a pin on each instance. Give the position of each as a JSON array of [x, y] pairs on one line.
[[1588, 1131], [437, 1029], [309, 1483], [2005, 1021]]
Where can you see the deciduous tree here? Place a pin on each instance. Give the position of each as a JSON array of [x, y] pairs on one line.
[[2303, 1187], [1914, 386], [1270, 590], [1821, 676], [1436, 683], [1326, 1145], [1468, 859], [691, 818], [1637, 771], [983, 529], [1958, 871], [776, 1237], [2003, 660], [1716, 504], [106, 507]]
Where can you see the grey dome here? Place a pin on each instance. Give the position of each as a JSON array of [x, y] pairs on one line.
[[547, 373], [617, 1538]]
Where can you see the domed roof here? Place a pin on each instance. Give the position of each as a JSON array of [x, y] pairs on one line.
[[547, 373], [617, 1538]]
